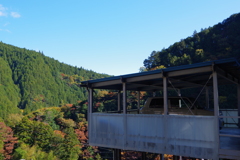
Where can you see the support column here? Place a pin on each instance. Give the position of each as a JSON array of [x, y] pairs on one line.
[[90, 106], [124, 98], [124, 113], [216, 111], [165, 106], [138, 100], [165, 96], [119, 101]]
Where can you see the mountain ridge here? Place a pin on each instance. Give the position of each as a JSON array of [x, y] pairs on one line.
[[38, 81]]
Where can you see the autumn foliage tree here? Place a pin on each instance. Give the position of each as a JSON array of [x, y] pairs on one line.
[[7, 141]]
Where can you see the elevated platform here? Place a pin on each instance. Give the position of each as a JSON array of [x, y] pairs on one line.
[[182, 135]]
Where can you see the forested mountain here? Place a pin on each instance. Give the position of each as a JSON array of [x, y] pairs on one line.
[[43, 110], [217, 42], [29, 81]]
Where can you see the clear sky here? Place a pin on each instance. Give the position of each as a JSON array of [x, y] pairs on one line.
[[106, 36]]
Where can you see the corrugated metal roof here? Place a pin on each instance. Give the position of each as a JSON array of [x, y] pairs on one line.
[[230, 66]]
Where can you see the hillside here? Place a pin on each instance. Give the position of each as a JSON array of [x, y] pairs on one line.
[[35, 85], [217, 42], [29, 81]]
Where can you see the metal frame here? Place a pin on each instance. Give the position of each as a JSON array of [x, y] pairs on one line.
[[188, 76]]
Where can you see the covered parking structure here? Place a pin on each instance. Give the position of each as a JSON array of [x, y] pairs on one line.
[[182, 135]]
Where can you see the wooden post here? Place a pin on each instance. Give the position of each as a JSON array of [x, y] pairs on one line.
[[165, 106]]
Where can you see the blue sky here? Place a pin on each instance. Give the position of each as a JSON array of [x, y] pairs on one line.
[[106, 36]]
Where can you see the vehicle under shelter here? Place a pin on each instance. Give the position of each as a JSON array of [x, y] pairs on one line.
[[189, 135]]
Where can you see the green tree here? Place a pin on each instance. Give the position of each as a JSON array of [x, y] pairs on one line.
[[27, 152], [35, 133], [70, 148]]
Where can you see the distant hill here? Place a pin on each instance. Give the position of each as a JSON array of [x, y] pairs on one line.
[[217, 42], [29, 81]]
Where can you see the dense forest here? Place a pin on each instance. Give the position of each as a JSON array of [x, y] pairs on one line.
[[30, 81], [40, 115], [49, 133], [43, 111]]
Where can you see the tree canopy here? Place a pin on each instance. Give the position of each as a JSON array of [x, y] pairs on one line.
[[29, 81]]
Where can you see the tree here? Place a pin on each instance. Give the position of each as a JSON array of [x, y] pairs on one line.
[[27, 152], [69, 149], [35, 133], [7, 141]]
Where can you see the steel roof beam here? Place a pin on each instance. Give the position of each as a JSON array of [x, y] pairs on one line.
[[227, 76]]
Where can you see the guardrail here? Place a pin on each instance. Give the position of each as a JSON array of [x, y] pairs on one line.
[[136, 111]]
